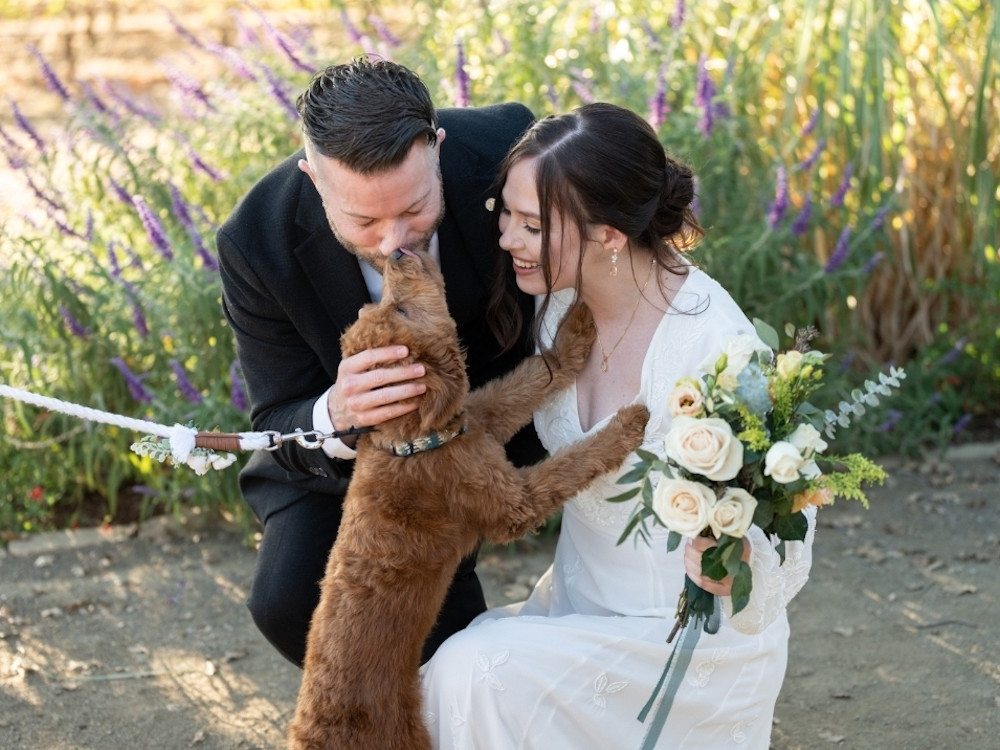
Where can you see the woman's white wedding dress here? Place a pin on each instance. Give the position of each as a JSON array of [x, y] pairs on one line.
[[573, 665]]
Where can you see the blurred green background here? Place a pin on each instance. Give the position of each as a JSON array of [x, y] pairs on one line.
[[848, 163]]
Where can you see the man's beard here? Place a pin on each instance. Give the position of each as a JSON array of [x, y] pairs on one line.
[[376, 259]]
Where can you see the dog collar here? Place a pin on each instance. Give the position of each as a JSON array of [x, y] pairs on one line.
[[426, 443]]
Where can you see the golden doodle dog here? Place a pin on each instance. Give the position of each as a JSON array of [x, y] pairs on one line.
[[427, 488]]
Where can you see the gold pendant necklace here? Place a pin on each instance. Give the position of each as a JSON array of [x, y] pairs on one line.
[[605, 356]]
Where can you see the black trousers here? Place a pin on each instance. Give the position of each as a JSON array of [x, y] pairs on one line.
[[290, 565]]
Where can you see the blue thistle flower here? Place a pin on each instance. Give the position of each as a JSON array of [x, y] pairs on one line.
[[51, 79], [461, 77], [134, 383], [154, 229], [838, 198], [187, 389], [840, 251], [777, 210], [752, 389]]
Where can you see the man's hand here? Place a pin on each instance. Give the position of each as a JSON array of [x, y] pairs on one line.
[[693, 551], [369, 390]]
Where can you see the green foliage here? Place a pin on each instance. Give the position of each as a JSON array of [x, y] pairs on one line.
[[848, 178]]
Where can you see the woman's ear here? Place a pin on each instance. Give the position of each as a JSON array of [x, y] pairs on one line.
[[609, 237]]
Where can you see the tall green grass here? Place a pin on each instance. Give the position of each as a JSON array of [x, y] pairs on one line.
[[847, 156]]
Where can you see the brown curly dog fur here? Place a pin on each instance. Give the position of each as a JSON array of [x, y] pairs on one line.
[[409, 520]]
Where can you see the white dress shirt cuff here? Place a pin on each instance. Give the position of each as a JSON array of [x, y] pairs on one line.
[[334, 447]]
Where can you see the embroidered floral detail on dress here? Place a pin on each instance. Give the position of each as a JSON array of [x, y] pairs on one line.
[[603, 688], [738, 732], [487, 665], [702, 672]]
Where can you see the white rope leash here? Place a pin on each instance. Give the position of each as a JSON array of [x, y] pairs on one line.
[[185, 445]]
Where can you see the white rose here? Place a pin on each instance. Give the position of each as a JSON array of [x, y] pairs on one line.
[[683, 506], [733, 513], [782, 462], [807, 439], [705, 446], [200, 463], [685, 399]]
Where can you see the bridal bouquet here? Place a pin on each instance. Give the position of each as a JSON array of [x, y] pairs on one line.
[[747, 447]]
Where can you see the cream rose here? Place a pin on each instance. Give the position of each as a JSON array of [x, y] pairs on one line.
[[683, 506], [733, 513], [782, 462], [705, 446], [788, 364], [685, 400]]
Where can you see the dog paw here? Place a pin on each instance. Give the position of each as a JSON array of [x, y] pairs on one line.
[[631, 421], [575, 337]]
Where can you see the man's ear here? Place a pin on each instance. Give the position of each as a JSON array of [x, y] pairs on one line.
[[304, 167]]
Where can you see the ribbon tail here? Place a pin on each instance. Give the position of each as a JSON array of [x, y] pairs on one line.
[[686, 644]]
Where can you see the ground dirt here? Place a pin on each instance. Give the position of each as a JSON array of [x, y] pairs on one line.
[[134, 637]]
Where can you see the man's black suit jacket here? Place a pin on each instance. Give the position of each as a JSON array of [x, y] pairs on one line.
[[290, 289]]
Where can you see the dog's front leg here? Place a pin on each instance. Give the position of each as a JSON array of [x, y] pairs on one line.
[[544, 487], [504, 406]]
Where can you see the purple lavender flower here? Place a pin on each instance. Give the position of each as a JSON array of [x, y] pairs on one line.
[[879, 219], [232, 58], [961, 424], [461, 77], [658, 102], [810, 161], [838, 198], [383, 31], [677, 18], [840, 251], [122, 96], [282, 42], [810, 123], [777, 211], [187, 389], [704, 97], [134, 383], [121, 193], [892, 418], [183, 32], [25, 125], [651, 35], [873, 262], [51, 79], [138, 316], [116, 269], [95, 101], [279, 92], [75, 326], [239, 396], [153, 228], [953, 353], [188, 87], [801, 223], [352, 31]]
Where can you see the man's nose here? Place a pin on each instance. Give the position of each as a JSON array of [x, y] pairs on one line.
[[394, 237]]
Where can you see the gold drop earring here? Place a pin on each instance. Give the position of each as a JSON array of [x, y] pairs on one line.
[[614, 261]]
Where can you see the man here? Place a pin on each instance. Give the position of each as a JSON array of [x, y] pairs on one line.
[[380, 169]]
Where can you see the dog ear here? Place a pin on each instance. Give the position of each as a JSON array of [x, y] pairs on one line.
[[447, 385]]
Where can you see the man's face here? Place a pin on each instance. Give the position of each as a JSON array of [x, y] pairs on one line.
[[372, 215]]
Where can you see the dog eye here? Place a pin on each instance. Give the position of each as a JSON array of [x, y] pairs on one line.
[[401, 310]]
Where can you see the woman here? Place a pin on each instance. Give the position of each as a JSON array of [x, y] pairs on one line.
[[592, 207]]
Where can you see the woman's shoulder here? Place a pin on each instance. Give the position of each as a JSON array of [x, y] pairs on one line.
[[704, 303]]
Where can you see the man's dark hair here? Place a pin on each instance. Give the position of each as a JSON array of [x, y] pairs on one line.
[[367, 113]]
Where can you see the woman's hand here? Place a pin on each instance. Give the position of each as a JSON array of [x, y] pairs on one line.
[[693, 551]]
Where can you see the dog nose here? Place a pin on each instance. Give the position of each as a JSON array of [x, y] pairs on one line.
[[399, 252]]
